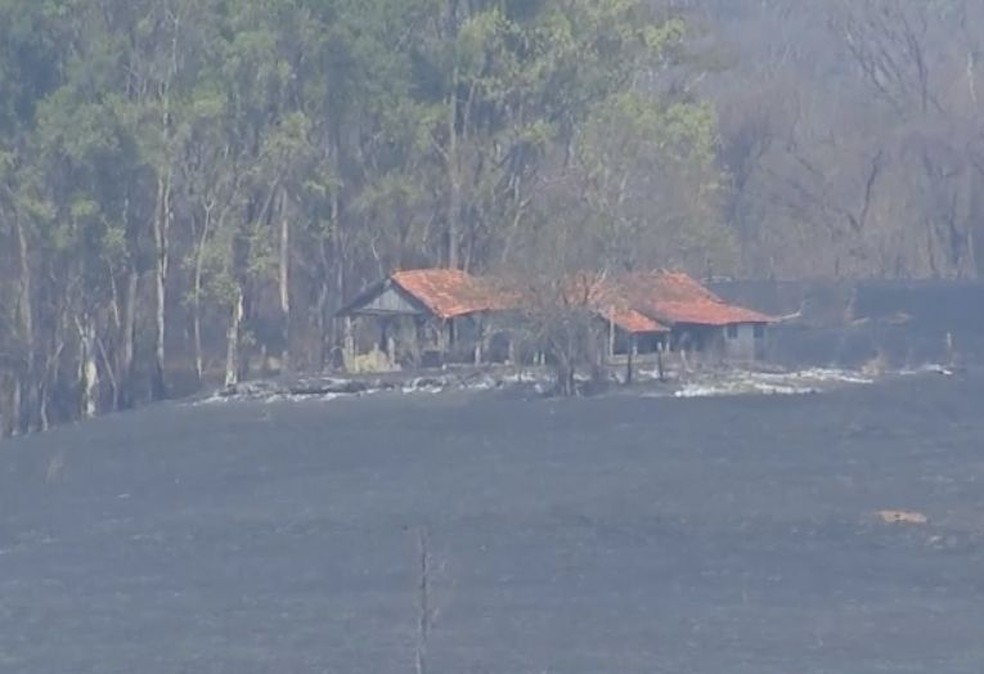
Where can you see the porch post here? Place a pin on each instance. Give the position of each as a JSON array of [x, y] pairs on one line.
[[611, 335], [629, 361], [442, 341], [389, 344], [348, 346], [480, 329], [659, 362], [418, 341]]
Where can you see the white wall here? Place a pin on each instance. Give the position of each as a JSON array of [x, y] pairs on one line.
[[741, 342]]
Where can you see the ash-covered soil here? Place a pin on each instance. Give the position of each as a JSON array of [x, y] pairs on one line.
[[616, 534]]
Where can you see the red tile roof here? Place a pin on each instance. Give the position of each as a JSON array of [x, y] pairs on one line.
[[636, 303], [668, 286], [632, 321], [604, 298], [673, 297], [448, 293], [608, 300], [704, 313]]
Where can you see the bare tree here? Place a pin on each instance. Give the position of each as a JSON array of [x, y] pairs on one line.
[[424, 610]]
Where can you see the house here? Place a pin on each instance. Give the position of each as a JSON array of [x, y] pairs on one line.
[[423, 316], [428, 317], [671, 311], [698, 319]]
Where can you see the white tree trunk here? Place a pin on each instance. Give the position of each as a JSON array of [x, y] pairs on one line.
[[232, 340], [285, 283], [88, 370], [197, 290], [26, 411], [454, 176], [162, 245], [162, 219]]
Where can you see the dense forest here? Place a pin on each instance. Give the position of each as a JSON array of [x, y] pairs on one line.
[[187, 183]]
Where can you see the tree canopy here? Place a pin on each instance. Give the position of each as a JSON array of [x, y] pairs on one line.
[[184, 183]]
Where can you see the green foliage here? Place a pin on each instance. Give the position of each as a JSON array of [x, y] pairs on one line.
[[381, 131]]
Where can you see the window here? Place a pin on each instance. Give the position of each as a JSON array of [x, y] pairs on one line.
[[759, 331], [732, 331]]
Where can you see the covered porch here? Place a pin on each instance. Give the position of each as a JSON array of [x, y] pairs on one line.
[[421, 319]]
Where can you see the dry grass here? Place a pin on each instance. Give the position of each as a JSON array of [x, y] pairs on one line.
[[876, 366], [371, 363]]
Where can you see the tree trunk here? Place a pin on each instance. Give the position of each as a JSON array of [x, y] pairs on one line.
[[10, 404], [233, 333], [196, 297], [88, 373], [51, 373], [30, 407], [348, 350], [454, 176], [284, 278], [196, 336], [43, 422], [111, 374], [339, 299], [246, 316], [125, 371], [321, 323], [161, 243], [162, 221], [333, 294]]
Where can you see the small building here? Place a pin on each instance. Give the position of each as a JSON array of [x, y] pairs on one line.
[[699, 320], [423, 317], [430, 317]]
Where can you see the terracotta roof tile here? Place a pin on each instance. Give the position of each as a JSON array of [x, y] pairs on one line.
[[674, 297], [633, 322], [637, 303], [704, 312], [448, 293], [608, 300]]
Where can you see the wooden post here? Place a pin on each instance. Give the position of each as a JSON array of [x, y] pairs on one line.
[[442, 341], [390, 346], [387, 345], [628, 362], [418, 341], [348, 350], [611, 336], [479, 340], [452, 336], [659, 362]]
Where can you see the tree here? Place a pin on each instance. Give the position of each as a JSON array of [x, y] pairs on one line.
[[190, 190]]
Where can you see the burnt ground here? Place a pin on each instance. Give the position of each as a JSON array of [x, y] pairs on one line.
[[620, 534]]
